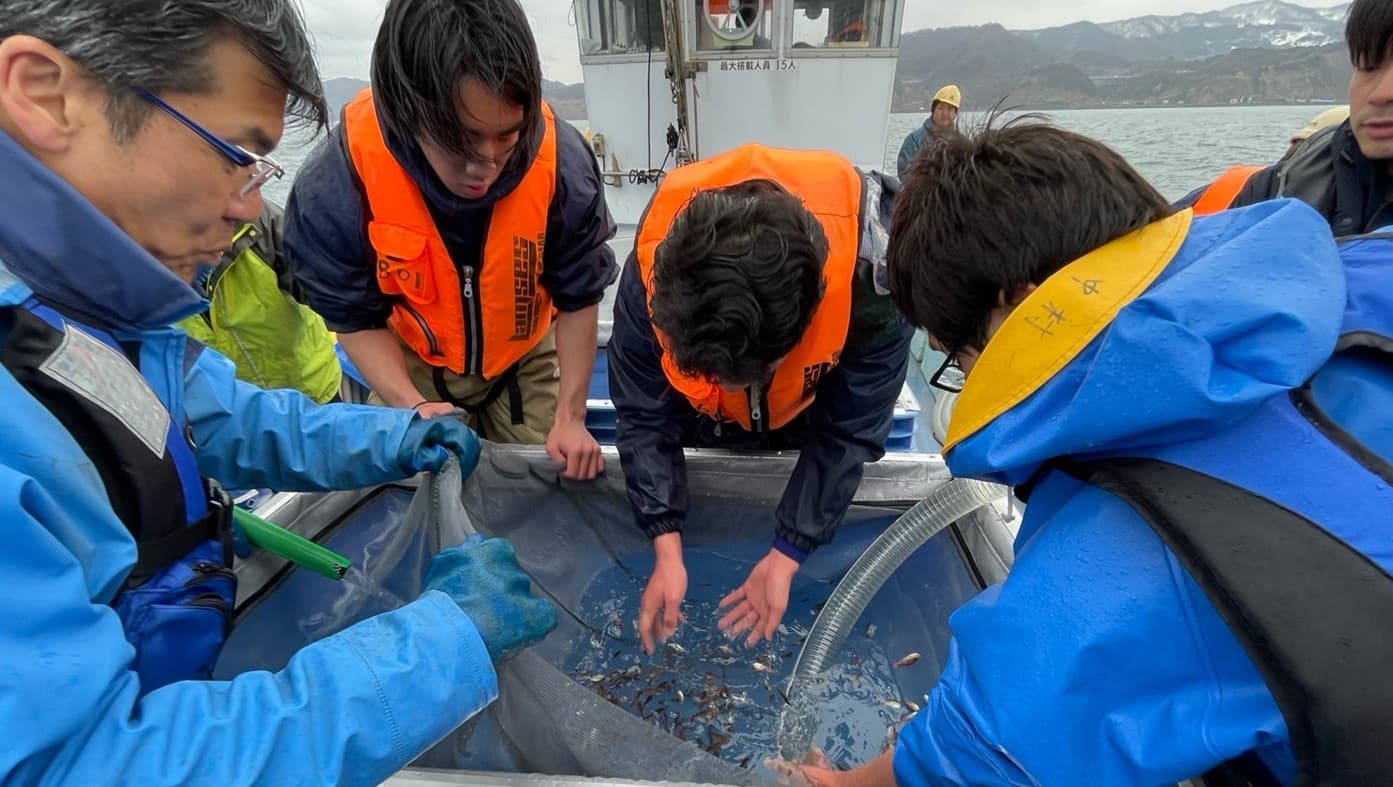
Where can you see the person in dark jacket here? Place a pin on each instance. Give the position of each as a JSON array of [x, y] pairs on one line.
[[443, 222], [941, 122], [766, 331], [1344, 171]]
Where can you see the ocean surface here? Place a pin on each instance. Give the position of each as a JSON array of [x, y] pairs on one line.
[[1176, 148]]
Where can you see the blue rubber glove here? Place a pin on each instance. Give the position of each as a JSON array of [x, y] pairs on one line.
[[428, 443], [483, 577]]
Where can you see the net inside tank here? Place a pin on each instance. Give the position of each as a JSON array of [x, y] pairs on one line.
[[587, 701]]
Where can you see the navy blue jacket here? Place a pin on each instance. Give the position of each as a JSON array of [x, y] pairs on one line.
[[326, 218], [1331, 174], [844, 427]]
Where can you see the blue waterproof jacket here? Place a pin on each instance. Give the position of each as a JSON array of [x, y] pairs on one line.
[[349, 709], [1100, 660]]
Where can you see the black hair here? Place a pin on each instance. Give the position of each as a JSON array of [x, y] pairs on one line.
[[736, 281], [426, 48], [993, 210]]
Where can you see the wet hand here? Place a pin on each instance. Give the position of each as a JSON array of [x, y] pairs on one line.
[[571, 443], [483, 577], [814, 771], [660, 609], [758, 605]]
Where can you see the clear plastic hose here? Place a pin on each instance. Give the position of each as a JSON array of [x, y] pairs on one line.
[[949, 503]]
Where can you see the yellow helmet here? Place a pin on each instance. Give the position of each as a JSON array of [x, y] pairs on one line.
[[950, 95]]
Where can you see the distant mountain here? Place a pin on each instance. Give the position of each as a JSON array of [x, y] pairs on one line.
[[567, 100], [983, 61], [339, 91], [1254, 25], [1258, 52]]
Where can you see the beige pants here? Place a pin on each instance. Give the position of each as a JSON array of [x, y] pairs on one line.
[[538, 381]]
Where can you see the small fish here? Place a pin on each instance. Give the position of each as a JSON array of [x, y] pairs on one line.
[[759, 666], [912, 706], [870, 630], [725, 650], [683, 698], [907, 659], [634, 670], [893, 704], [675, 648], [594, 678]]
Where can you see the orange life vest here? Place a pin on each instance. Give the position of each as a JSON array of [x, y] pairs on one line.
[[830, 188], [484, 324], [1221, 193]]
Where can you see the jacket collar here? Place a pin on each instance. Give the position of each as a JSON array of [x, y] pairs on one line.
[[73, 257]]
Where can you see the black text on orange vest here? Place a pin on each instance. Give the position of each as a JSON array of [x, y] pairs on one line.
[[527, 256], [812, 375]]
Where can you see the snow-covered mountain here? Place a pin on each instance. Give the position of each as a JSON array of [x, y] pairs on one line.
[[1258, 24]]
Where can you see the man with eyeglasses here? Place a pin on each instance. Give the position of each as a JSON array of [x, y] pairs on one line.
[[1203, 579], [453, 231], [132, 146]]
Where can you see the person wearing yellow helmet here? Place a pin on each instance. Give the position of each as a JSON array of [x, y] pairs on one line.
[[942, 121]]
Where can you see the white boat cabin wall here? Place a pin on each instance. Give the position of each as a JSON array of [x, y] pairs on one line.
[[669, 81]]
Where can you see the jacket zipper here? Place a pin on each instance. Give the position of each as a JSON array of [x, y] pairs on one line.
[[755, 395], [215, 602], [203, 570], [473, 349], [425, 329], [209, 600]]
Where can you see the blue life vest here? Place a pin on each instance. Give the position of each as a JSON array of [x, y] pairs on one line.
[[1285, 550], [176, 605]]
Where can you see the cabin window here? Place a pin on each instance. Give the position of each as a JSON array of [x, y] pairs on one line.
[[732, 25], [844, 23], [619, 27]]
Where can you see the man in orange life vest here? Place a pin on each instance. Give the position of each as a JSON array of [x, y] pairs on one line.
[[748, 316], [452, 231]]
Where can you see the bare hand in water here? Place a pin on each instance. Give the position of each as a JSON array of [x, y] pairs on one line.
[[758, 605], [660, 609]]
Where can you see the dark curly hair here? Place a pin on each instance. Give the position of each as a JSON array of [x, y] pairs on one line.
[[1001, 208], [736, 281]]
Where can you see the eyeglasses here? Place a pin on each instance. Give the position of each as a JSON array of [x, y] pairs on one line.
[[949, 376], [263, 168]]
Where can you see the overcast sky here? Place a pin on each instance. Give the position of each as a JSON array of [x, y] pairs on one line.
[[344, 29]]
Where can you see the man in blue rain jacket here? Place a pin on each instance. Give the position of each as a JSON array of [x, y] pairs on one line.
[[131, 147], [1199, 413]]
